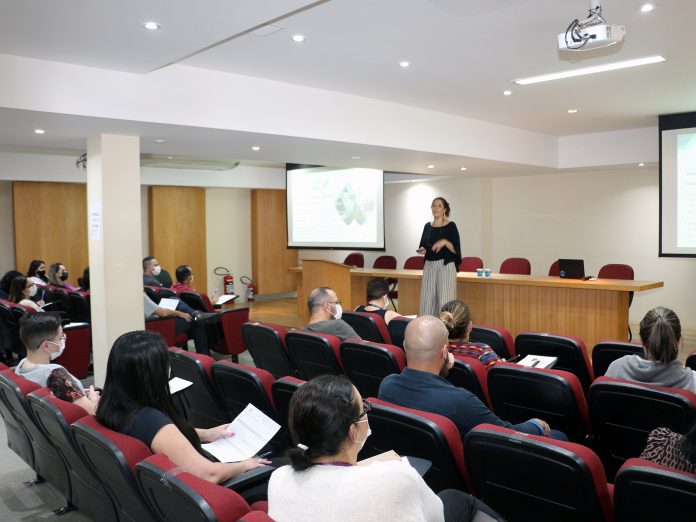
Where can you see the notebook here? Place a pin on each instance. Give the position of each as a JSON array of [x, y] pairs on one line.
[[571, 268]]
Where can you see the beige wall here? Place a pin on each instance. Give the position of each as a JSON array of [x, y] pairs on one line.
[[7, 248]]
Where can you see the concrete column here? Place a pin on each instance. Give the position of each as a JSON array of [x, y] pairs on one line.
[[114, 233]]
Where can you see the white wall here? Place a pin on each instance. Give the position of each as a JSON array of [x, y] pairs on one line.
[[7, 250]]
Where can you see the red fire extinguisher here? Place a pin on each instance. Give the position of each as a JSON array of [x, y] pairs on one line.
[[227, 279], [251, 291]]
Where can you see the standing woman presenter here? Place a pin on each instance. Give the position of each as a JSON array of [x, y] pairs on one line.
[[440, 245]]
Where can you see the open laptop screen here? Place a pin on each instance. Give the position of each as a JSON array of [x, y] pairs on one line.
[[571, 268]]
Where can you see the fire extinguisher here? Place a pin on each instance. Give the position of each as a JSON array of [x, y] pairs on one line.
[[227, 279], [251, 291]]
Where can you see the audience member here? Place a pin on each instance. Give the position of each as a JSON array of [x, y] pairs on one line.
[[37, 272], [660, 333], [322, 319], [671, 449], [5, 283], [84, 281], [136, 402], [329, 424], [184, 322], [457, 319], [21, 290], [184, 281], [422, 384], [378, 300], [58, 275], [151, 269], [67, 388], [44, 339]]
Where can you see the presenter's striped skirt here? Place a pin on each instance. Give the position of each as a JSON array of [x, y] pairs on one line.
[[439, 286]]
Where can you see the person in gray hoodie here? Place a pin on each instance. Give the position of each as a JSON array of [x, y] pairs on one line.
[[660, 333]]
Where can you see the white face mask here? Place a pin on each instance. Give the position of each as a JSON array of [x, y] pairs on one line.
[[156, 271], [339, 312], [32, 290], [361, 443], [61, 349]]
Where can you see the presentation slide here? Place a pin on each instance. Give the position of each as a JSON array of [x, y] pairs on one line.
[[335, 208], [678, 192]]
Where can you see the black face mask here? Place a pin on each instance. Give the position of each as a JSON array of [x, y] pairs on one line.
[[64, 276], [41, 273]]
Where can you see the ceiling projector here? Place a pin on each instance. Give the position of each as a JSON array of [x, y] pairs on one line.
[[591, 33]]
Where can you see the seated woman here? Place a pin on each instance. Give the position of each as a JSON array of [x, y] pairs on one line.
[[37, 272], [136, 402], [378, 300], [84, 281], [21, 290], [5, 283], [660, 333], [58, 275], [671, 449], [457, 318], [329, 425], [65, 387]]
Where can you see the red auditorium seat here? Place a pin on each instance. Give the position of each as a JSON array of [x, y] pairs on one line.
[[469, 373], [499, 339], [606, 352], [314, 353], [470, 264], [397, 329], [367, 363], [266, 344], [368, 326], [281, 391]]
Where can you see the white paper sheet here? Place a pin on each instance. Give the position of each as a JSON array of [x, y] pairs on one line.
[[177, 384], [224, 298], [538, 361], [252, 430], [168, 303]]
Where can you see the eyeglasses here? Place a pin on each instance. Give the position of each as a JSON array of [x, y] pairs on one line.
[[62, 338], [335, 302], [367, 408]]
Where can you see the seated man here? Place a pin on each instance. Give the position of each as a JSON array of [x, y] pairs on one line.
[[151, 269], [183, 322], [378, 300], [184, 280], [422, 384], [322, 319]]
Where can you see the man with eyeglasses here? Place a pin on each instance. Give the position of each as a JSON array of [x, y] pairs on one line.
[[325, 314]]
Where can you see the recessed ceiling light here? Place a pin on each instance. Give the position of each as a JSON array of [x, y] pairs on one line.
[[641, 164], [646, 8], [404, 64], [431, 166], [256, 148], [463, 168], [507, 93], [152, 26], [355, 157], [591, 70], [160, 140], [572, 111], [299, 38], [39, 131]]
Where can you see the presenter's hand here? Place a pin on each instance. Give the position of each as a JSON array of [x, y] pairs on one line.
[[421, 251], [439, 245]]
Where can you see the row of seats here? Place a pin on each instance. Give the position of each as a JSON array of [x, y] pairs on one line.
[[107, 475]]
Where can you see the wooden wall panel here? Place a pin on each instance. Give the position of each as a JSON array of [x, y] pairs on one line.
[[50, 223], [270, 257], [177, 230]]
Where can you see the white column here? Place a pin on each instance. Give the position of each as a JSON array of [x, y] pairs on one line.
[[114, 232]]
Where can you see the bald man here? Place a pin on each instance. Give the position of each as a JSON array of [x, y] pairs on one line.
[[422, 384]]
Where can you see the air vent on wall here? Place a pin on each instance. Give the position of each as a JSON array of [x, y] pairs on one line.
[[185, 162]]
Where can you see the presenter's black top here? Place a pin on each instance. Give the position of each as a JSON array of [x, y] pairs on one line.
[[432, 235]]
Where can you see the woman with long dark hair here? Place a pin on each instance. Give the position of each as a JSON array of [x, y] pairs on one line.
[[136, 402], [22, 289], [660, 333], [37, 272], [439, 244]]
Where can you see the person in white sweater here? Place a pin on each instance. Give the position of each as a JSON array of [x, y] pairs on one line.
[[329, 425]]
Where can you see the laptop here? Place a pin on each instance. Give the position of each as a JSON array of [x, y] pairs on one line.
[[571, 268]]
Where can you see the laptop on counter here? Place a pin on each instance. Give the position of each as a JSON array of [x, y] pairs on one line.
[[571, 268]]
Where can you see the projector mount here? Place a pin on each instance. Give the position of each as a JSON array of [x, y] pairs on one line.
[[591, 33]]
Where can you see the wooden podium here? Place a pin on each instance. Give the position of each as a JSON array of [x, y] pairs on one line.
[[317, 272]]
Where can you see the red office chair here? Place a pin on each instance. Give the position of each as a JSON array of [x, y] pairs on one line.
[[367, 363], [606, 352], [516, 265], [499, 339], [78, 345], [388, 262], [266, 344], [355, 259], [470, 264], [469, 373], [528, 477], [368, 326], [415, 263], [618, 271], [314, 353], [555, 269]]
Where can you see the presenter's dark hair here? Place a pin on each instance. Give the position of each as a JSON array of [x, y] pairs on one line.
[[377, 288], [456, 317], [182, 273], [137, 376], [321, 414], [660, 332], [146, 261], [444, 204], [33, 267]]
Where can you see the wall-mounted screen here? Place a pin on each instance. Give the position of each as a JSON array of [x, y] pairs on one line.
[[335, 208]]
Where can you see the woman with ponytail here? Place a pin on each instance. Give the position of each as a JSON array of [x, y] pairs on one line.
[[660, 333], [329, 425]]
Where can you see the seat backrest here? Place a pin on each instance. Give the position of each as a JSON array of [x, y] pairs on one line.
[[78, 345], [571, 353], [397, 330], [355, 259], [266, 344], [47, 463], [112, 456], [173, 494], [516, 265], [63, 303], [528, 477], [414, 263], [281, 391], [200, 400], [555, 269], [469, 373], [384, 262], [368, 326], [165, 326], [645, 492], [314, 353], [231, 322], [18, 439], [367, 363], [239, 385], [470, 264], [616, 271], [606, 352], [196, 300], [152, 292], [624, 413], [519, 393], [499, 339], [54, 417], [691, 360], [421, 434]]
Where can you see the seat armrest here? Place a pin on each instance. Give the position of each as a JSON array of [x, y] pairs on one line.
[[249, 479]]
